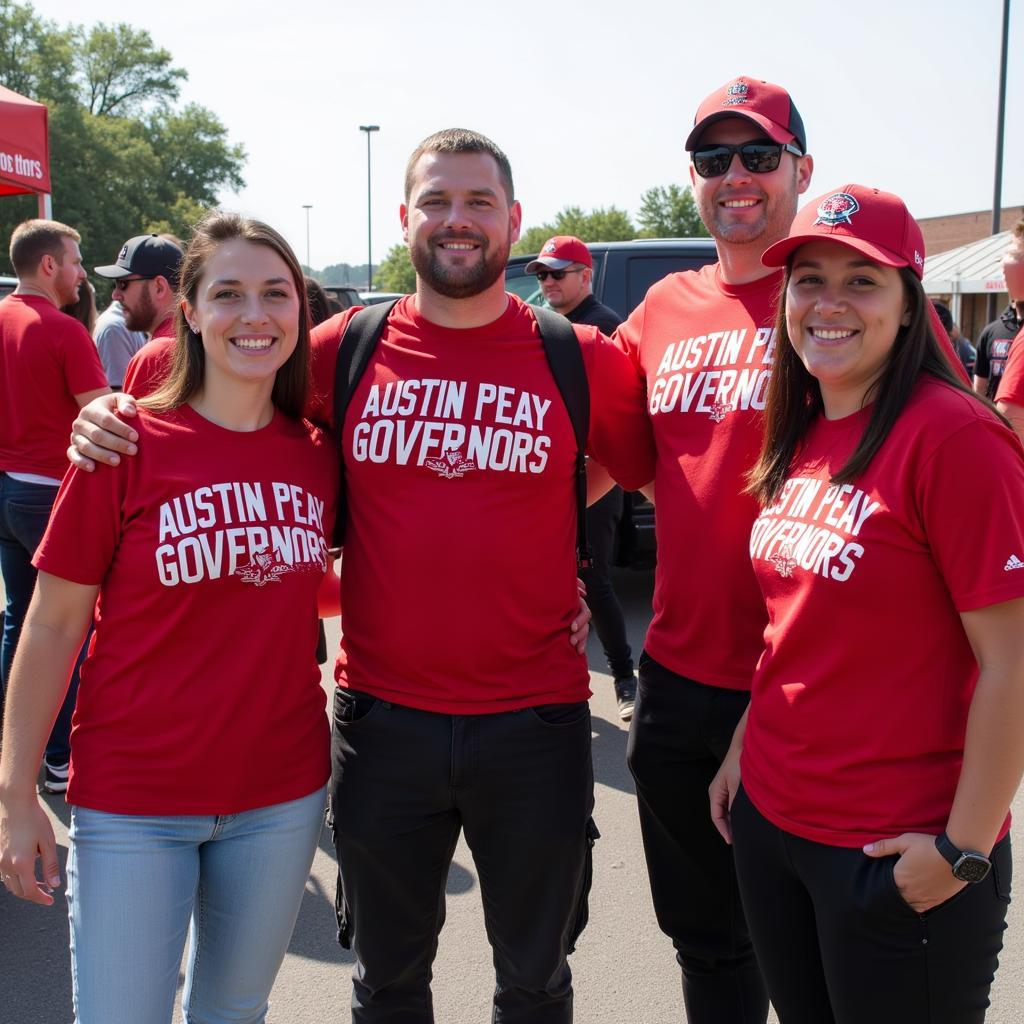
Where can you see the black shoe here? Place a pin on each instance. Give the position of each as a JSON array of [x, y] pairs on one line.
[[625, 696], [56, 778]]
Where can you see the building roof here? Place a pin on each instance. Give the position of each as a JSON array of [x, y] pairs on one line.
[[969, 269]]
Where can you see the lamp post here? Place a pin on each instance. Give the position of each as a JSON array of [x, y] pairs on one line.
[[369, 129], [997, 198], [307, 207]]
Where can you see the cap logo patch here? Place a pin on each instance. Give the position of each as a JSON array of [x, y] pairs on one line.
[[124, 251], [550, 247], [735, 94], [918, 258], [838, 208]]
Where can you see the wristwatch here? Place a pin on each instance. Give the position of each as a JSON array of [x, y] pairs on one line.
[[967, 865]]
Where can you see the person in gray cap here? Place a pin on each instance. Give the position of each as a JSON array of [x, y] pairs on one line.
[[146, 285], [564, 269]]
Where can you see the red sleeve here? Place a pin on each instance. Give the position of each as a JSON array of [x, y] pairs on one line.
[[85, 526], [628, 336], [620, 430], [985, 460], [1011, 385], [323, 357], [149, 367], [83, 370]]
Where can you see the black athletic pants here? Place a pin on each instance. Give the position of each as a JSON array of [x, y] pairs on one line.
[[609, 622], [838, 945], [521, 785], [679, 736]]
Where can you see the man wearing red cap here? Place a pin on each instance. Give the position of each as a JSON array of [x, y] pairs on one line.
[[703, 342], [565, 271]]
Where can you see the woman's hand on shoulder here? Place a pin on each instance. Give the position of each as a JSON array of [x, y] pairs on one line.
[[922, 874], [25, 836]]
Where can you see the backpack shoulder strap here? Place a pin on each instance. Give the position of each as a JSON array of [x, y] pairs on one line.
[[357, 345], [565, 358]]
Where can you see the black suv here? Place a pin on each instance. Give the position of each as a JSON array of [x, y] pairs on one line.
[[623, 271]]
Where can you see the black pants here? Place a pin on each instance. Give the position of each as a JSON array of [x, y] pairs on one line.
[[838, 944], [679, 736], [521, 785], [609, 623]]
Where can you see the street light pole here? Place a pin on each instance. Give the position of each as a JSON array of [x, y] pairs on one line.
[[997, 198], [369, 128], [307, 207]]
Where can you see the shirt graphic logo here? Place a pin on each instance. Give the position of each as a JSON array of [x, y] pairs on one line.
[[719, 411], [784, 561], [451, 466], [265, 567], [838, 208], [1013, 562]]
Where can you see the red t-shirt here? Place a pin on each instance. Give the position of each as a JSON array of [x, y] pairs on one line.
[[46, 358], [201, 691], [860, 700], [1011, 385], [149, 367], [459, 572], [705, 350]]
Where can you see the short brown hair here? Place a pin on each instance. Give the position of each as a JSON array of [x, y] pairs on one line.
[[34, 239], [460, 140], [189, 362]]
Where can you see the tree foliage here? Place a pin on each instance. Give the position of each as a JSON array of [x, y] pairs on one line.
[[601, 225], [123, 159], [670, 212], [396, 272]]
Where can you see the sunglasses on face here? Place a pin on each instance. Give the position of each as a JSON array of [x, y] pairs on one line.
[[543, 275], [756, 157]]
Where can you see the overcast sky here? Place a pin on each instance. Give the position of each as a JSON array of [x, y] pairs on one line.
[[591, 100]]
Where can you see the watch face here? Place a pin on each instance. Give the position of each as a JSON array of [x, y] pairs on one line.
[[971, 867]]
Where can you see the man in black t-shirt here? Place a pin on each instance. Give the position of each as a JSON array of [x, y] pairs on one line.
[[565, 270], [995, 339]]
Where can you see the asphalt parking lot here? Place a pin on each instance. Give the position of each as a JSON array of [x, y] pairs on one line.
[[624, 968]]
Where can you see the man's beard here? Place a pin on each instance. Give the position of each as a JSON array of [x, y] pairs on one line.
[[142, 315], [459, 282]]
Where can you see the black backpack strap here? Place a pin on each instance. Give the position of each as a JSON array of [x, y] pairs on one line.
[[562, 348], [356, 347]]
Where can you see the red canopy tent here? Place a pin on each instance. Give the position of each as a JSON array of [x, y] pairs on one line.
[[24, 148]]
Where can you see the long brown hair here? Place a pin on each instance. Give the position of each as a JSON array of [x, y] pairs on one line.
[[793, 400], [189, 362]]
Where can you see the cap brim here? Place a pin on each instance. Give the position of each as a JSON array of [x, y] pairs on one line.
[[112, 271], [774, 132], [549, 262], [777, 255]]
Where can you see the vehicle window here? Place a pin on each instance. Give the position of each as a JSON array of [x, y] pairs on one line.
[[643, 271], [526, 286]]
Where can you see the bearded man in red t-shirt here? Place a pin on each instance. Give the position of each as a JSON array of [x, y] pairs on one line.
[[461, 705]]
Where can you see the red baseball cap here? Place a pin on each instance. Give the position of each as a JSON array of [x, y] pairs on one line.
[[769, 106], [560, 252], [873, 222]]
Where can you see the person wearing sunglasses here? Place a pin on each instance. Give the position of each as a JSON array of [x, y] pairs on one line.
[[703, 342], [867, 790], [565, 270], [145, 277]]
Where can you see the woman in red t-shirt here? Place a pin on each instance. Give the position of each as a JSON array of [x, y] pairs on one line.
[[200, 743], [885, 735]]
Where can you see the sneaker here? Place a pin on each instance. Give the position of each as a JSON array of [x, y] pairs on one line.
[[56, 779], [625, 696]]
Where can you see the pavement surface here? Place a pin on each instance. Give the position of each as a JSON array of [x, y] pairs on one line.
[[624, 968]]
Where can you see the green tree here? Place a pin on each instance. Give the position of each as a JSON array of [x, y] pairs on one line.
[[396, 272], [670, 212], [122, 159], [605, 224]]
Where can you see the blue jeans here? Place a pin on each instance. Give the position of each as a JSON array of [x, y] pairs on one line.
[[136, 883], [24, 513]]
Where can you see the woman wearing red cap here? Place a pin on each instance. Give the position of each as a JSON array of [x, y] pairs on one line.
[[885, 735]]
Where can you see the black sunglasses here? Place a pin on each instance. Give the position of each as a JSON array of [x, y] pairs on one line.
[[543, 275], [756, 157]]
